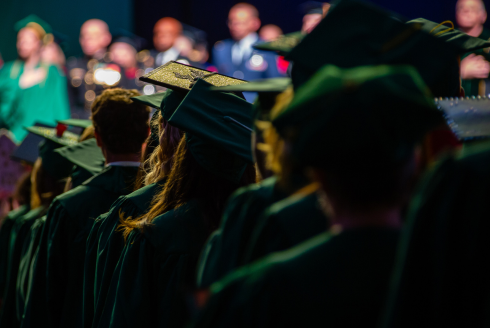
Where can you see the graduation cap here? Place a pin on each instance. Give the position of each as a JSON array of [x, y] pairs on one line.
[[40, 26], [167, 102], [462, 41], [218, 130], [468, 118], [28, 150], [85, 154], [77, 122], [267, 89], [181, 77], [356, 33], [56, 165], [283, 44], [372, 114]]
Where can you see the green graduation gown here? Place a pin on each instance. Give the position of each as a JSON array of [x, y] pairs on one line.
[[28, 258], [226, 248], [337, 281], [443, 268], [155, 271], [286, 224], [19, 234], [46, 102], [105, 246], [5, 230], [56, 296]]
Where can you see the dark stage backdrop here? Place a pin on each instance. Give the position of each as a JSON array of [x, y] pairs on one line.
[[139, 16], [65, 16]]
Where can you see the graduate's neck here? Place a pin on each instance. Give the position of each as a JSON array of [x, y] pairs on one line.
[[32, 60], [474, 31], [380, 217], [112, 158]]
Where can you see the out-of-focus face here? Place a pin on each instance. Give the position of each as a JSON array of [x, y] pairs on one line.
[[28, 43], [164, 35], [310, 21], [241, 23], [94, 37], [184, 45], [470, 13], [123, 54], [270, 32], [53, 54]]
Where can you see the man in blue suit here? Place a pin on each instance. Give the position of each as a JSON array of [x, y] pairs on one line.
[[236, 57]]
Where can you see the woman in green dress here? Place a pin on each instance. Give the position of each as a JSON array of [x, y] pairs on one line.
[[30, 90]]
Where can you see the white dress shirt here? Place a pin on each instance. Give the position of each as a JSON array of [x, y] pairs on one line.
[[243, 48]]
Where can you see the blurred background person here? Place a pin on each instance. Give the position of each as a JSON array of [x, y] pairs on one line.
[[82, 85], [30, 90], [270, 32], [475, 66], [123, 53], [314, 12], [165, 34], [236, 57]]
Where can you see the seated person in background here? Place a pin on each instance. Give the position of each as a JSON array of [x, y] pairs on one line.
[[165, 33], [94, 40], [236, 57], [270, 32], [475, 66]]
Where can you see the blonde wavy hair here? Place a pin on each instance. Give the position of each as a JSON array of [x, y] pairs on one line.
[[273, 145]]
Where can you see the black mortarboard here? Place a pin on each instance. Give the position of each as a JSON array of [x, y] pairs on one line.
[[57, 166], [218, 129], [468, 118], [372, 114], [28, 150]]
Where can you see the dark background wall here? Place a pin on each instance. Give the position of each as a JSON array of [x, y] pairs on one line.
[[208, 15]]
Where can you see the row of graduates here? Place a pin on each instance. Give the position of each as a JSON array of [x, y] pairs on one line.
[[346, 144]]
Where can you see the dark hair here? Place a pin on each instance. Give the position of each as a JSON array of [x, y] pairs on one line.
[[22, 191], [362, 187], [121, 123], [189, 180], [44, 187]]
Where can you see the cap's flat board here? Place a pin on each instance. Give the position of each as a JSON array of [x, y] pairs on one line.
[[178, 76], [468, 118]]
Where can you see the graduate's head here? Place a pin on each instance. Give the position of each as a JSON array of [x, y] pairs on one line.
[[94, 36], [165, 33], [358, 130], [187, 180], [243, 19], [29, 42], [470, 13], [44, 186], [120, 124]]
